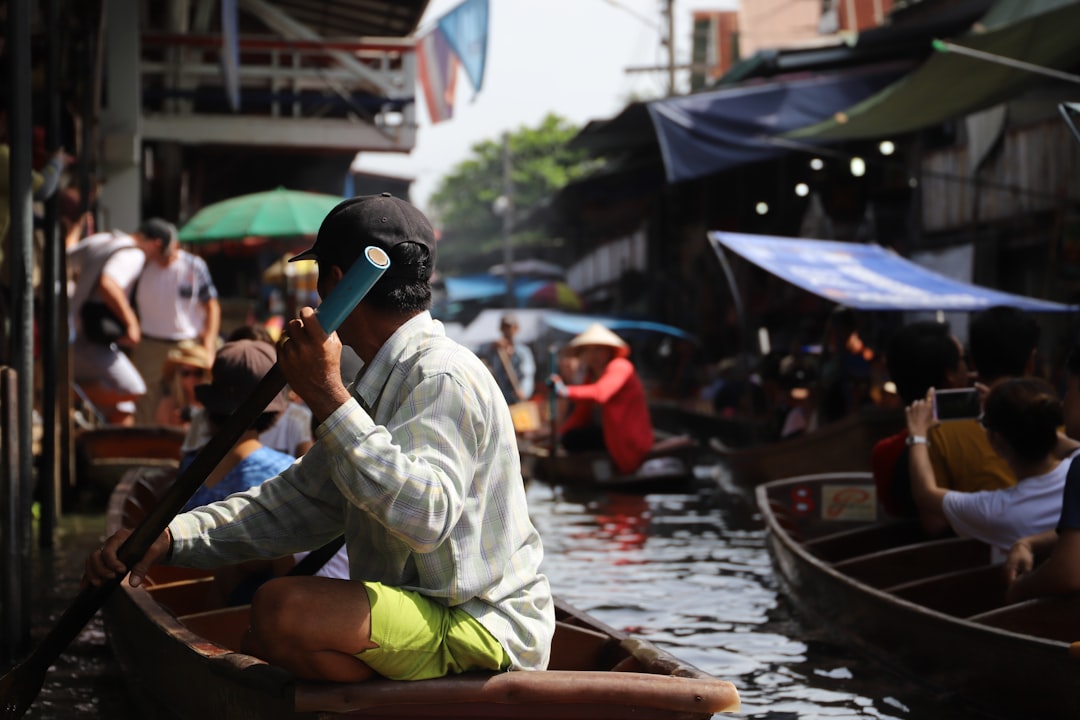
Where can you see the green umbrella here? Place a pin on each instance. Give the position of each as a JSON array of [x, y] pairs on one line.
[[274, 213]]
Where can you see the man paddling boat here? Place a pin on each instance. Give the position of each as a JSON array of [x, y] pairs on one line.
[[416, 463]]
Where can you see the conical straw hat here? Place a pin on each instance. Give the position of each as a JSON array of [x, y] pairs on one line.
[[597, 334]]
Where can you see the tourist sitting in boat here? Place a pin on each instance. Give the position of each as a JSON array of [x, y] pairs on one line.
[[238, 368], [845, 367], [920, 356], [185, 367], [610, 410], [416, 463], [292, 434], [1021, 417], [1059, 574], [1003, 344]]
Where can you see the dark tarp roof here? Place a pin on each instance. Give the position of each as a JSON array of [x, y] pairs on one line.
[[907, 35], [709, 132], [868, 277], [948, 85], [363, 18]]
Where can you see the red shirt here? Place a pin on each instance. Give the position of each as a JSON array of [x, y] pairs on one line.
[[624, 413]]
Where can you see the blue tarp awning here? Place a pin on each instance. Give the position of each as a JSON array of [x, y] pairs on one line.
[[868, 277], [709, 132], [533, 322], [488, 287]]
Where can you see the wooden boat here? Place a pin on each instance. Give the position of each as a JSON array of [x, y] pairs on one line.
[[931, 608], [697, 419], [104, 454], [668, 466], [841, 446], [180, 651]]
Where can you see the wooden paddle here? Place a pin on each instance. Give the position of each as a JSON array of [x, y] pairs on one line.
[[553, 412], [20, 686]]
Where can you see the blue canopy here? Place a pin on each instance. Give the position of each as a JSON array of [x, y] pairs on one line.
[[534, 322], [868, 277], [488, 287], [709, 132], [576, 324]]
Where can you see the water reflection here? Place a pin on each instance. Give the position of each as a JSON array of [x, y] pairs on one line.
[[85, 682], [690, 572]]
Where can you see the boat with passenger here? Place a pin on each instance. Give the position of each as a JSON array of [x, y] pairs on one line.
[[180, 650], [932, 608]]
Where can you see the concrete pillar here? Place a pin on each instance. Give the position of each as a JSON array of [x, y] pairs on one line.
[[121, 117]]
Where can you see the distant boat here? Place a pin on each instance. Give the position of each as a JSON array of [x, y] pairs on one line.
[[931, 608], [180, 652], [840, 446], [669, 466]]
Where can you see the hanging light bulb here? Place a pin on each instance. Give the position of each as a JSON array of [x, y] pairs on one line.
[[802, 189], [762, 208], [858, 166]]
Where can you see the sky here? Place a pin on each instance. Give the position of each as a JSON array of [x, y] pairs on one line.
[[568, 57]]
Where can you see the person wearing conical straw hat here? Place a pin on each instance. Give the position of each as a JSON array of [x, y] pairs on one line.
[[610, 411]]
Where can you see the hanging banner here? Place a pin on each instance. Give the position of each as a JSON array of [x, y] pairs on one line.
[[466, 29], [436, 67]]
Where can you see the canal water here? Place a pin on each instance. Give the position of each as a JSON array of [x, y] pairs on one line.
[[688, 571]]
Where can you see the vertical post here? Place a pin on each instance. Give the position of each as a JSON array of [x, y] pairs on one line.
[[121, 116], [508, 221], [852, 17], [553, 412], [52, 279], [669, 13], [21, 233], [745, 349], [13, 633]]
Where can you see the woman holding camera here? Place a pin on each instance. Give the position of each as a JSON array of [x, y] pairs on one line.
[[1021, 417]]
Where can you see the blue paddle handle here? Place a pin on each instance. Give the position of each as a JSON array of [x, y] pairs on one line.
[[360, 278]]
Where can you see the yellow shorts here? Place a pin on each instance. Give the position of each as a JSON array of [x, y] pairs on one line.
[[419, 638]]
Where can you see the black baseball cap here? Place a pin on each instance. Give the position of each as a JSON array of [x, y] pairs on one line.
[[157, 229], [380, 220]]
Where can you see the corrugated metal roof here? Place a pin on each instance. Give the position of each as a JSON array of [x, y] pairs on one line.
[[367, 18]]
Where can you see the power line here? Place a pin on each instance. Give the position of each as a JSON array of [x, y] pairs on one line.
[[630, 11]]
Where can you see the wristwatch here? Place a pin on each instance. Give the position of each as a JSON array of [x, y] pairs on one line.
[[916, 440]]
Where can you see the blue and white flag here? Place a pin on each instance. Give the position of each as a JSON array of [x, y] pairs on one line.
[[466, 30]]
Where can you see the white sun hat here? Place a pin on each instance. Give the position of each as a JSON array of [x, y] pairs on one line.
[[597, 334]]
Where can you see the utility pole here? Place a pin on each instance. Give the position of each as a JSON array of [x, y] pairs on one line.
[[669, 15], [508, 221]]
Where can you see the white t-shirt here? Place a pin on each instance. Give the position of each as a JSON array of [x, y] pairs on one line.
[[172, 299], [1001, 517], [291, 429]]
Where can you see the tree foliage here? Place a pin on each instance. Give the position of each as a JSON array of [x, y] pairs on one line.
[[464, 201]]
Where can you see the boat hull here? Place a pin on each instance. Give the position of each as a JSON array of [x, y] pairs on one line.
[[179, 651], [944, 626], [668, 468], [841, 446]]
